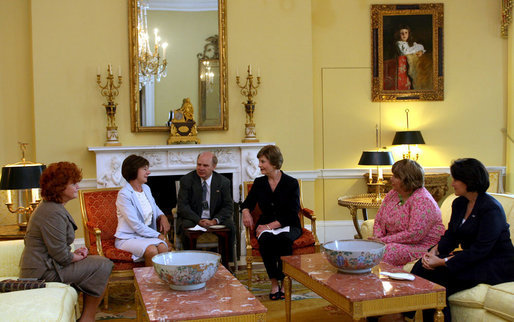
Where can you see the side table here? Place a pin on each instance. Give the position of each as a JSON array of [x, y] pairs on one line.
[[363, 202], [10, 232], [435, 183], [223, 235]]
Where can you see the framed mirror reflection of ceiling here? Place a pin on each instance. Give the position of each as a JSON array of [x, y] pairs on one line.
[[196, 65]]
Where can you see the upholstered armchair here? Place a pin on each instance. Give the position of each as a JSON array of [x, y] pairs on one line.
[[307, 243], [98, 207]]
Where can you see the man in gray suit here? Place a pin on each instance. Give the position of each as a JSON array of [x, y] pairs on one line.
[[204, 198]]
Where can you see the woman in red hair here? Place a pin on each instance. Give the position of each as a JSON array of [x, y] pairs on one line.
[[47, 254]]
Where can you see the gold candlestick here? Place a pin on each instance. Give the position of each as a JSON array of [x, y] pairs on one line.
[[249, 90], [110, 91]]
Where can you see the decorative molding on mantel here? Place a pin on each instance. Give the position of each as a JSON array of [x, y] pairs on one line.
[[239, 159]]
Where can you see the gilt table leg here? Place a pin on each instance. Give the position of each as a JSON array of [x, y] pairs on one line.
[[353, 212], [287, 287]]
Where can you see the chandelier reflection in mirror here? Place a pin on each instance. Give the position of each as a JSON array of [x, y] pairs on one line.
[[151, 66]]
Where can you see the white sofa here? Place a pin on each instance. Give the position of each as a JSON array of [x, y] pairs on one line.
[[56, 302], [482, 302]]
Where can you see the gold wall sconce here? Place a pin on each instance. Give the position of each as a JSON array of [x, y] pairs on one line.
[[24, 177], [110, 91], [408, 138], [249, 89]]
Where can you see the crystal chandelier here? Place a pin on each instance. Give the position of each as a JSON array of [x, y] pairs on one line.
[[151, 65]]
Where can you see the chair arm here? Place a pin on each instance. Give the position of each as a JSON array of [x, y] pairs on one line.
[[308, 213], [97, 232], [248, 241], [367, 228]]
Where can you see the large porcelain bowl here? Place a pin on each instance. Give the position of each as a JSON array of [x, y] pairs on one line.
[[186, 270], [354, 255]]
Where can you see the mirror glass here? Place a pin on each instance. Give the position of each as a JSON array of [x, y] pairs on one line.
[[195, 62]]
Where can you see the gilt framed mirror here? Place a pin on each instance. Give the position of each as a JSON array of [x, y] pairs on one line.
[[195, 63]]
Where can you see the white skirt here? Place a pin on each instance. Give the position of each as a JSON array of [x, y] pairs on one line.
[[137, 246]]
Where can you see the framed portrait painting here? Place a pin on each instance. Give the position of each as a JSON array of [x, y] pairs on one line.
[[407, 52]]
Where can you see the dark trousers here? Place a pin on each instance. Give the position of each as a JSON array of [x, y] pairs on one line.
[[185, 224], [272, 247]]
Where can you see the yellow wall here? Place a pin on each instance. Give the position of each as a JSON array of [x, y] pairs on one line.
[[314, 101]]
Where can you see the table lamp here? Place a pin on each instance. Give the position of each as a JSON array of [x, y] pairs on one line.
[[23, 176], [376, 158], [408, 138]]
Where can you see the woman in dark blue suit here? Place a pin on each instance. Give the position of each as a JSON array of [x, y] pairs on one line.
[[478, 224]]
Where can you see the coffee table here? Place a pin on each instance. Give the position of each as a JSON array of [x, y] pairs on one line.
[[223, 298], [362, 295]]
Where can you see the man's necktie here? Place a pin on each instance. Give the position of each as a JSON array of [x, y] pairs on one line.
[[205, 204]]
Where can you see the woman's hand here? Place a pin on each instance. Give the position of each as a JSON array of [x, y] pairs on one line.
[[79, 254], [247, 218], [164, 224], [431, 261], [260, 229], [419, 53], [162, 237]]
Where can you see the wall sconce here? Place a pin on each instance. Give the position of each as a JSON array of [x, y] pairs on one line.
[[249, 89], [376, 158], [22, 176], [110, 91], [408, 138]]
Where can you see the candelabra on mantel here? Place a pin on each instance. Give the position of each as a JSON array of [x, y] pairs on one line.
[[249, 90], [110, 91]]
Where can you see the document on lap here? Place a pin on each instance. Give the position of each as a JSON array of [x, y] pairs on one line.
[[275, 231], [197, 227]]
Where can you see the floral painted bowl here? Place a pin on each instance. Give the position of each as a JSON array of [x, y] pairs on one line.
[[354, 255], [186, 270]]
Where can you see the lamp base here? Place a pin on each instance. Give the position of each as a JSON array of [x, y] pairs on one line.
[[22, 226]]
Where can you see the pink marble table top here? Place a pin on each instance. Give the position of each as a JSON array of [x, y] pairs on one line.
[[359, 287], [223, 295]]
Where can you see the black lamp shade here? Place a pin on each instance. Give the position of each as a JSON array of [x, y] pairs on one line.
[[21, 176], [376, 158], [408, 137]]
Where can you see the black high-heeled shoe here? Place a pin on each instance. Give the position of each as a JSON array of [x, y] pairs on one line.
[[282, 295], [274, 296]]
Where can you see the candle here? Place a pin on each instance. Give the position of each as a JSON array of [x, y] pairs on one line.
[[109, 69], [259, 72], [156, 32], [164, 46], [34, 195], [250, 69], [119, 70], [370, 174], [237, 71], [98, 70], [9, 200], [380, 176]]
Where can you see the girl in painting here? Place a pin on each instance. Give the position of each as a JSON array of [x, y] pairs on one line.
[[405, 44]]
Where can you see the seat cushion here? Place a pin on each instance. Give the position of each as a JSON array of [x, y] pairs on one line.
[[500, 300], [55, 303], [473, 297]]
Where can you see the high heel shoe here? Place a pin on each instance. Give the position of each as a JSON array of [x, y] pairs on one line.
[[274, 296]]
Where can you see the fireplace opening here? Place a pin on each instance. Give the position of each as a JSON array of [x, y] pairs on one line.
[[165, 193]]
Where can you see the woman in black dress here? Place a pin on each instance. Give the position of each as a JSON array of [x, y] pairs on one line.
[[278, 196]]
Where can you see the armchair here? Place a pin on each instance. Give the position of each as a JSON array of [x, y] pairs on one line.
[[98, 207], [308, 242]]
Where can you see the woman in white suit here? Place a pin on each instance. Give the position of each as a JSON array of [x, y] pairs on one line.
[[142, 226]]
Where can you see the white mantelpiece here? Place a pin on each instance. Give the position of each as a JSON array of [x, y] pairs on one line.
[[238, 159]]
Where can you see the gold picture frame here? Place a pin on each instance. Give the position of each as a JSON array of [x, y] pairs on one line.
[[407, 52]]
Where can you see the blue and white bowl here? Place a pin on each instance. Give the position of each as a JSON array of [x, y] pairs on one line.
[[186, 270], [354, 255]]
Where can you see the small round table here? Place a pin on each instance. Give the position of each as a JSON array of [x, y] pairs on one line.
[[364, 202]]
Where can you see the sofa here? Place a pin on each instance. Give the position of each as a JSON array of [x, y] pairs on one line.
[[482, 302], [55, 302]]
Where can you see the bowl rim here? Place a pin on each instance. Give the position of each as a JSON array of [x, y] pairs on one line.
[[360, 240], [185, 251]]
